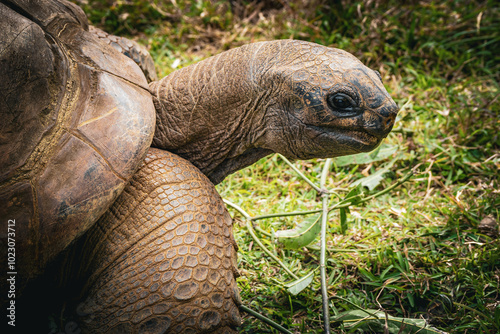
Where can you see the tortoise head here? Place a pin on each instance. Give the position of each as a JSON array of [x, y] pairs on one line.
[[300, 99], [323, 103]]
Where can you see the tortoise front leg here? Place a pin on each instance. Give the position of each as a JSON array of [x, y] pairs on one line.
[[163, 257]]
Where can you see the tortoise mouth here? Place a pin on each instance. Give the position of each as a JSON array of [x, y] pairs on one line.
[[358, 139]]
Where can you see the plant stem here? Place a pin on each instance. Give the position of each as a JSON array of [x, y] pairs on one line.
[[319, 190], [322, 261], [356, 306], [238, 208], [264, 248], [265, 319], [256, 238], [286, 214], [342, 250], [386, 190], [344, 204], [262, 231]]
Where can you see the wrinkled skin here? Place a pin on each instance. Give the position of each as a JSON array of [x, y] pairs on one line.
[[283, 91], [145, 245]]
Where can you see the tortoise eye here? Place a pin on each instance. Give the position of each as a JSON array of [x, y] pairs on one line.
[[341, 102]]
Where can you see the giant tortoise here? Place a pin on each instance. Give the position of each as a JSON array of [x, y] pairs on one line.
[[107, 181]]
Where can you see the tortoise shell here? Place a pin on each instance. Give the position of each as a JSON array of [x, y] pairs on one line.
[[77, 120]]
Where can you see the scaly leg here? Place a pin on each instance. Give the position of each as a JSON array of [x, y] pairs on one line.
[[163, 257]]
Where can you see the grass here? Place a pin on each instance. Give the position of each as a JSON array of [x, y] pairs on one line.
[[415, 252]]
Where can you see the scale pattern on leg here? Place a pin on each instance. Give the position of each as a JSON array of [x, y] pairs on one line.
[[163, 257]]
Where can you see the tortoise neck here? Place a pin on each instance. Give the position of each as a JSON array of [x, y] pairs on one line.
[[212, 114]]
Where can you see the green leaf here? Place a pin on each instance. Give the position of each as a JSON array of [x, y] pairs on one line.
[[302, 235], [373, 180], [382, 152], [373, 320], [411, 299], [343, 220], [297, 286], [497, 314], [353, 195], [382, 275], [369, 275]]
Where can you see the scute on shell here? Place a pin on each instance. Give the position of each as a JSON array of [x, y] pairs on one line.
[[77, 120]]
